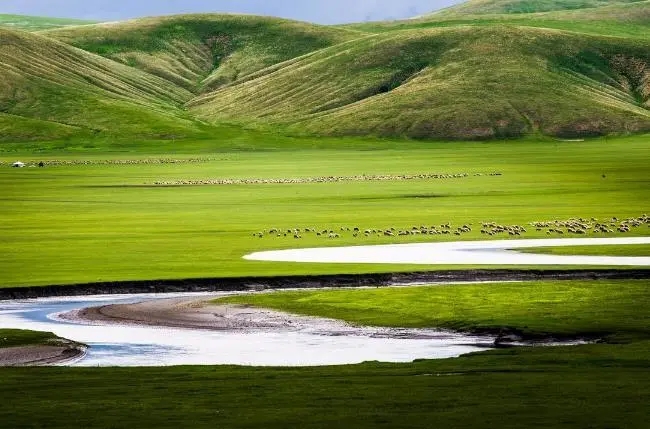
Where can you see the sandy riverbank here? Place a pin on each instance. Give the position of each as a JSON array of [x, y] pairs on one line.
[[198, 313], [57, 353], [202, 314]]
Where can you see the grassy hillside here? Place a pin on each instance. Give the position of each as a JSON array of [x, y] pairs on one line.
[[477, 73], [475, 7], [59, 91], [200, 52], [36, 23], [629, 20], [452, 83]]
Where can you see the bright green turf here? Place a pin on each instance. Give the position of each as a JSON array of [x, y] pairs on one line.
[[36, 23], [70, 224], [623, 250], [536, 309], [18, 337]]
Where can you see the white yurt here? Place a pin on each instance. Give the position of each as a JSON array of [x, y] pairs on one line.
[[18, 164]]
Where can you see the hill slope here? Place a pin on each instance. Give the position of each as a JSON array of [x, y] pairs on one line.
[[478, 7], [58, 89], [202, 52], [629, 20], [36, 23], [458, 83]]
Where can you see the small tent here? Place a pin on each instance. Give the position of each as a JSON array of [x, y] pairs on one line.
[[18, 164]]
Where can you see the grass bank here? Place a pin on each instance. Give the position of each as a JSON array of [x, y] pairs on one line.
[[19, 337], [611, 309], [630, 250]]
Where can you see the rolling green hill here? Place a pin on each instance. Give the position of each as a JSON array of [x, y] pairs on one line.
[[200, 52], [480, 70], [629, 20], [452, 83], [57, 91], [476, 7], [36, 23]]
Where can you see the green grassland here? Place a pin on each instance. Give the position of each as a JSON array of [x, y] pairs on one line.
[[38, 23], [591, 309], [630, 250], [18, 337], [101, 222]]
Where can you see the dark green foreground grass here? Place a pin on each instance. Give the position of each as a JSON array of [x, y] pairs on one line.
[[595, 386], [19, 337]]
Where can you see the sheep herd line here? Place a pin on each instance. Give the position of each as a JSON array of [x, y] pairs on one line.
[[324, 179], [574, 226], [144, 161]]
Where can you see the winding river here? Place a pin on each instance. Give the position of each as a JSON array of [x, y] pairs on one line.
[[494, 252], [317, 342], [315, 345]]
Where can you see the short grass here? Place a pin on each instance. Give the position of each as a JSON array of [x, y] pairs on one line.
[[533, 309], [38, 23], [19, 337], [87, 223], [629, 250]]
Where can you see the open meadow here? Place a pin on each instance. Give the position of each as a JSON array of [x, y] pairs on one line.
[[103, 218]]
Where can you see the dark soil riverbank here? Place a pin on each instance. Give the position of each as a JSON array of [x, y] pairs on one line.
[[322, 281]]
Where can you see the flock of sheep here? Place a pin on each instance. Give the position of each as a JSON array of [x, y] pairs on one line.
[[324, 179], [578, 226], [583, 226], [144, 161]]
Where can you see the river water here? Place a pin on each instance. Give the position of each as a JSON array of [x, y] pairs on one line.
[[493, 252], [130, 345]]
